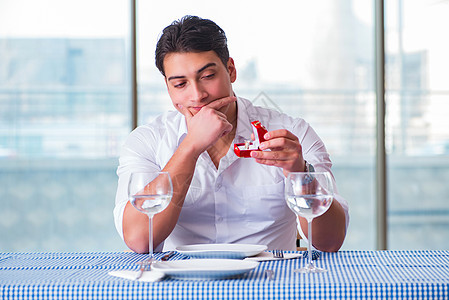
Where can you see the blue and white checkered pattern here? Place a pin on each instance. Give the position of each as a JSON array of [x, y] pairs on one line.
[[351, 274], [315, 254]]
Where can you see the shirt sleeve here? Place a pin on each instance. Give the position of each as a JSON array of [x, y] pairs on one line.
[[137, 154]]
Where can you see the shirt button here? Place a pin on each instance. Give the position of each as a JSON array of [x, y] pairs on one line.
[[218, 186], [220, 219]]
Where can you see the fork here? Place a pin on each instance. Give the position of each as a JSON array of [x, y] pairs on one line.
[[143, 264], [278, 254]]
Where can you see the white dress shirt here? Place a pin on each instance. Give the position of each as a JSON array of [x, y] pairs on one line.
[[241, 202]]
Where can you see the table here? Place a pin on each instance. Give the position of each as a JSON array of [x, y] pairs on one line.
[[352, 274]]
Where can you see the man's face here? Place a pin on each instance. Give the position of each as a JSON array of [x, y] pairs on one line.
[[195, 79]]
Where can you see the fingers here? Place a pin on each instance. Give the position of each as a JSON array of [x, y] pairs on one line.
[[275, 157], [215, 105], [280, 144], [219, 103], [187, 114], [228, 129], [288, 161], [279, 133], [286, 151], [280, 139]]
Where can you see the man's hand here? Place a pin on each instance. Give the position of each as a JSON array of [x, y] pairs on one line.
[[286, 151], [207, 125]]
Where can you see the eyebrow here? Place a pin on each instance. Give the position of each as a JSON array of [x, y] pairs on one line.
[[199, 71]]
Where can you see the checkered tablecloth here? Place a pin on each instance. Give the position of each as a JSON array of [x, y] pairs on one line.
[[351, 274]]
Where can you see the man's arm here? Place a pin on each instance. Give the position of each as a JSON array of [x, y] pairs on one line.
[[329, 229], [135, 224], [204, 129]]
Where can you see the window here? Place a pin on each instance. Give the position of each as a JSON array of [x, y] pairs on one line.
[[64, 106], [417, 125]]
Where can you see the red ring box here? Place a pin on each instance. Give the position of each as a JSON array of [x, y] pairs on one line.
[[259, 131]]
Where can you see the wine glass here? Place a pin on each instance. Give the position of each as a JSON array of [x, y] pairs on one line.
[[309, 195], [150, 193]]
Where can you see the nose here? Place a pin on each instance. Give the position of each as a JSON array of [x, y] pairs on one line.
[[199, 93]]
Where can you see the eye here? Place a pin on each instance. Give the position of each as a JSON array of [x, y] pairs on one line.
[[179, 85], [208, 76]]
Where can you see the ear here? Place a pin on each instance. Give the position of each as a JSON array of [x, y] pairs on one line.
[[232, 70]]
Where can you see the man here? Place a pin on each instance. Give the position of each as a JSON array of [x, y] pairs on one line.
[[219, 197]]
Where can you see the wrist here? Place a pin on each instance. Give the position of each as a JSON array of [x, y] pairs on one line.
[[189, 149]]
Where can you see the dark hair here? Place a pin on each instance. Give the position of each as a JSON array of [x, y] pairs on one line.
[[191, 34]]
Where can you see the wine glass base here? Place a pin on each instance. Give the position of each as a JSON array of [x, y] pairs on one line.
[[309, 269]]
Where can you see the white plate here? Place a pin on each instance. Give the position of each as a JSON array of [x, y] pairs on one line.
[[195, 269], [235, 251]]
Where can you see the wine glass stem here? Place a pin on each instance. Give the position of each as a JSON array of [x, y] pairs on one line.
[[309, 248], [150, 239]]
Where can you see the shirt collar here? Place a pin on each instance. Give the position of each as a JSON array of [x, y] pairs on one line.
[[244, 129]]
